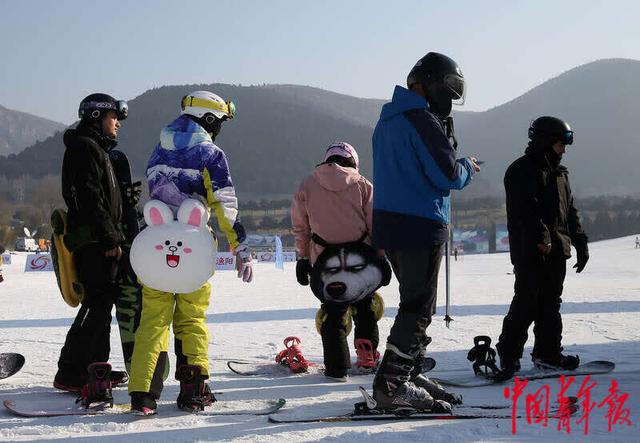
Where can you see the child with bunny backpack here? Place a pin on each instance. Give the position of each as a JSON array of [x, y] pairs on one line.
[[186, 164]]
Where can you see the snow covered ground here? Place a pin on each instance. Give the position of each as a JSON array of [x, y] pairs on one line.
[[600, 313]]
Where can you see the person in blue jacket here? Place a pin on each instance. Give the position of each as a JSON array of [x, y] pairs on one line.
[[414, 170]]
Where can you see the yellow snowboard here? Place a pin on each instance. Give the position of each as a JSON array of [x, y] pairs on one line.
[[71, 289]]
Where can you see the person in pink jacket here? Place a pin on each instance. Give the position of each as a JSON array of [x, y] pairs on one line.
[[331, 217]]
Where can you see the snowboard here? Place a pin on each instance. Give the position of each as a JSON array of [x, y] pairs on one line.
[[474, 381], [364, 411], [272, 369], [122, 170], [10, 363], [64, 406]]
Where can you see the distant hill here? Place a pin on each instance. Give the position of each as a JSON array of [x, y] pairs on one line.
[[281, 131], [19, 130]]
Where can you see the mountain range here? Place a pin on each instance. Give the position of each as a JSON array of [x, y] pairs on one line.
[[19, 130], [281, 131]]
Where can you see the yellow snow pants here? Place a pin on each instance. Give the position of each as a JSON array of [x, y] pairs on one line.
[[159, 308]]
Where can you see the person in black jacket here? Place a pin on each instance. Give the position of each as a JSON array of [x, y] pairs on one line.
[[95, 234], [543, 223]]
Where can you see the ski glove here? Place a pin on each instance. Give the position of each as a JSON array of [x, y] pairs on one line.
[[243, 263], [303, 269], [583, 258], [132, 192]]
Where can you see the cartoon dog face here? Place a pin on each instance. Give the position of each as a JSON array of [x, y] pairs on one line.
[[346, 274], [175, 256]]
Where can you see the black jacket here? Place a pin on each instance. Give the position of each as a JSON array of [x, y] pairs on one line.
[[540, 208], [90, 189]]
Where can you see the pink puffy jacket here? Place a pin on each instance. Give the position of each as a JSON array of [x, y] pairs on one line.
[[336, 204]]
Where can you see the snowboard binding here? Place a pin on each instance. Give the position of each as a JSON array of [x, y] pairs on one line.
[[98, 386], [292, 356], [195, 394], [483, 357]]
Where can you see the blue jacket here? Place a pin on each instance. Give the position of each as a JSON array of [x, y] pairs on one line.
[[186, 164], [414, 170]]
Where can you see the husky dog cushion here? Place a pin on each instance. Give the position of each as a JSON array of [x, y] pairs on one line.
[[348, 272]]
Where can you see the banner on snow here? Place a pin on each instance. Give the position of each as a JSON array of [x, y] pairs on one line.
[[38, 263]]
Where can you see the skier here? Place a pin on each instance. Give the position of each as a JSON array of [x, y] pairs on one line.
[[334, 206], [543, 223], [414, 170], [187, 164], [2, 249], [637, 242], [455, 253], [94, 233]]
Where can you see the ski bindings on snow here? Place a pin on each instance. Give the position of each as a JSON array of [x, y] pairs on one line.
[[292, 356], [483, 357], [98, 386]]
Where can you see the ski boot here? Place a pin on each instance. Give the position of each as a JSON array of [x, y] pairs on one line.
[[368, 358], [143, 404], [98, 386], [118, 378], [393, 391], [508, 368], [195, 394], [558, 363], [292, 356]]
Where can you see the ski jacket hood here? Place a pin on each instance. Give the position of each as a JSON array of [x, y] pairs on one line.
[[183, 133], [334, 177], [403, 100]]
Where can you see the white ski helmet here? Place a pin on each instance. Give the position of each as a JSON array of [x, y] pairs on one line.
[[201, 103]]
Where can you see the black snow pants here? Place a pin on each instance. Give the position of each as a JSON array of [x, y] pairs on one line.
[[538, 289], [417, 272], [334, 332], [88, 339]]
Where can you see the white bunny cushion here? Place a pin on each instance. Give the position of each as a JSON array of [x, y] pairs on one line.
[[175, 256]]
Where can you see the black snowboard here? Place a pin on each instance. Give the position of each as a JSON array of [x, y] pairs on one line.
[[473, 381], [129, 303], [122, 169], [10, 363]]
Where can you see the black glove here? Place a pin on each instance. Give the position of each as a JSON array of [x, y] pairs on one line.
[[132, 192], [583, 258], [303, 269]]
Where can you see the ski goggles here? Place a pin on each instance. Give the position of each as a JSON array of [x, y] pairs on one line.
[[229, 108], [566, 138], [120, 107]]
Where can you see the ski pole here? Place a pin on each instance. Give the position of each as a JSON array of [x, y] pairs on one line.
[[447, 317]]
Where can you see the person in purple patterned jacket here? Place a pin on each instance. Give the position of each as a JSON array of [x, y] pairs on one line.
[[187, 164]]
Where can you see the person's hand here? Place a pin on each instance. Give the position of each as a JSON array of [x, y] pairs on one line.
[[583, 258], [115, 252], [474, 163], [303, 270], [243, 263], [544, 249]]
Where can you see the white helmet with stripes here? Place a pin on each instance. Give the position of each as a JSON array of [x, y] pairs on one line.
[[201, 103]]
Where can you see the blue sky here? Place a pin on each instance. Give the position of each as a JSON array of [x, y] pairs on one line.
[[52, 54]]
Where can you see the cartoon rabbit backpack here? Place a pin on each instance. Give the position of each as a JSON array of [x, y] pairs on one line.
[[176, 256]]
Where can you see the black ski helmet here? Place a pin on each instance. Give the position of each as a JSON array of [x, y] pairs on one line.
[[441, 80], [550, 130], [93, 107]]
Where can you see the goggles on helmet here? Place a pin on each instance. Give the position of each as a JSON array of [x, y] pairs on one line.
[[566, 138], [94, 109], [229, 108], [455, 84]]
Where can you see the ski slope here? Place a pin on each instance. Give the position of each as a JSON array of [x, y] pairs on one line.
[[600, 314]]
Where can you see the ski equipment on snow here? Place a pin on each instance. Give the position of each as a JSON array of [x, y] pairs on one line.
[[292, 356], [10, 363]]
